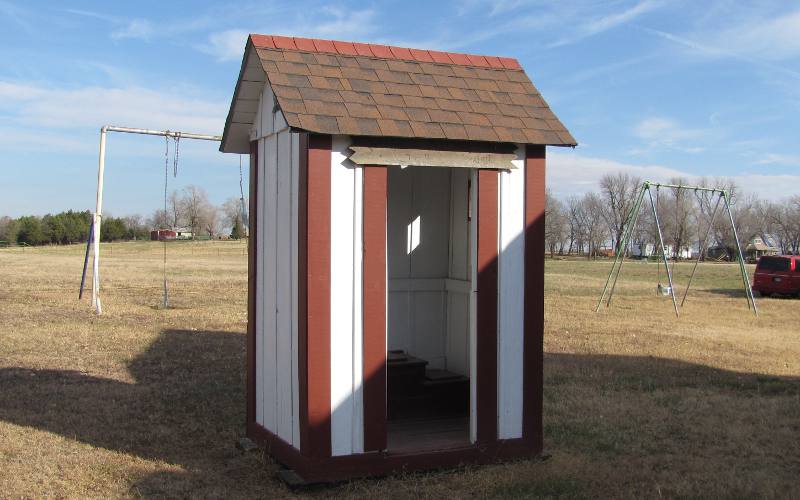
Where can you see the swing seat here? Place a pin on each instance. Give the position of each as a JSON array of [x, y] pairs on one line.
[[664, 290]]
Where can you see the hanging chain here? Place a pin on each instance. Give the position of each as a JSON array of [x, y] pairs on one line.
[[166, 177], [177, 154], [164, 237]]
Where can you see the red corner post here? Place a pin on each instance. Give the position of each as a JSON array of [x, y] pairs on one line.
[[532, 376], [252, 234], [374, 310], [486, 352], [314, 290]]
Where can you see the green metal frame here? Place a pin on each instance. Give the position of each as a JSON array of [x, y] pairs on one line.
[[630, 227]]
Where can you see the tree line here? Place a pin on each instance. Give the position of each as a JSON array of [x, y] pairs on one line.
[[189, 208], [594, 223]]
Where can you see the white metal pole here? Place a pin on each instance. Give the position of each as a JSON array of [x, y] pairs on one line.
[[98, 214]]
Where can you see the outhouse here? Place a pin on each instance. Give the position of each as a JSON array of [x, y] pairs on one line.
[[396, 271]]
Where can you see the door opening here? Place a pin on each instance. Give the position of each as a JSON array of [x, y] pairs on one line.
[[429, 289]]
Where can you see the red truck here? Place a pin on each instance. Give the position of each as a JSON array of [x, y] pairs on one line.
[[777, 274]]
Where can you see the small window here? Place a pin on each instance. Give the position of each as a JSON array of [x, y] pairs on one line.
[[774, 264]]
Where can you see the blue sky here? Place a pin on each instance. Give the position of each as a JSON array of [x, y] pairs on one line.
[[657, 88]]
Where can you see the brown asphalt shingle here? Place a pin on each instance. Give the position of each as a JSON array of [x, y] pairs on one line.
[[363, 89]]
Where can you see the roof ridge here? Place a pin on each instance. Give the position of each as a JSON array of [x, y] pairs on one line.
[[382, 51]]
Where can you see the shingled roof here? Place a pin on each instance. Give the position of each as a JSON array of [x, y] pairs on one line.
[[360, 89]]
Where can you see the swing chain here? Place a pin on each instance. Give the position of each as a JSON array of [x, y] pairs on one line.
[[177, 139], [166, 176]]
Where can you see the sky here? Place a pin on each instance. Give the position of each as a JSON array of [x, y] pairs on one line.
[[656, 88]]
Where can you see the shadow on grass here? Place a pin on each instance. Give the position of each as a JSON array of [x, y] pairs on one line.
[[187, 406]]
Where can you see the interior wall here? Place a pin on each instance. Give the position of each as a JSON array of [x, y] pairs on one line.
[[428, 265]]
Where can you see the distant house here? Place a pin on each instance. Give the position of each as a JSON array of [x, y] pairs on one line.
[[759, 247], [646, 250], [162, 234], [184, 234], [171, 234]]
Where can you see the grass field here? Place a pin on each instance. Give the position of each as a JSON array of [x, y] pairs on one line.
[[143, 401]]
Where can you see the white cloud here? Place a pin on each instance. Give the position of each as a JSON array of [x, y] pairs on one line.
[[326, 22], [141, 29], [774, 39], [607, 22], [762, 42], [661, 133], [59, 108], [780, 159], [571, 173], [226, 45]]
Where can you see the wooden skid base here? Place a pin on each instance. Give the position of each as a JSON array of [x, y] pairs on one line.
[[334, 469]]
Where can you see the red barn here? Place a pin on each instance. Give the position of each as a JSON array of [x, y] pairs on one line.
[[162, 234], [396, 277]]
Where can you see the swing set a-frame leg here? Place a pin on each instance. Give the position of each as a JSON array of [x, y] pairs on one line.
[[748, 290], [664, 254], [622, 245]]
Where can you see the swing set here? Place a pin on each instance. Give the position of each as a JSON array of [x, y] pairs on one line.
[[623, 246], [93, 242]]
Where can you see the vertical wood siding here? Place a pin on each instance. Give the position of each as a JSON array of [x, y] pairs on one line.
[[374, 307], [347, 435], [252, 363], [486, 342], [511, 288], [315, 336], [534, 294], [276, 332]]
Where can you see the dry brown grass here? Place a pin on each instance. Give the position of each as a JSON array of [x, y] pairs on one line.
[[149, 402]]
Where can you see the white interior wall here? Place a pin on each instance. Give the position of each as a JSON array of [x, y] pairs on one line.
[[277, 399], [428, 256]]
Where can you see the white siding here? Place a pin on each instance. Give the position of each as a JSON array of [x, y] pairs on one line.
[[511, 288], [259, 329], [277, 402], [346, 321], [295, 318], [268, 226], [283, 288]]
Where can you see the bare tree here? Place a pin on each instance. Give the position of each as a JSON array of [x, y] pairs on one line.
[[575, 224], [212, 222], [677, 216], [555, 224], [619, 194], [591, 215], [159, 219], [232, 212], [175, 210], [195, 207], [782, 219]]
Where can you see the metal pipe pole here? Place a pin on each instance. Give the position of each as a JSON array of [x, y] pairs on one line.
[[614, 265], [86, 260], [623, 247], [98, 214], [664, 254], [679, 186], [167, 133], [748, 291], [700, 250]]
